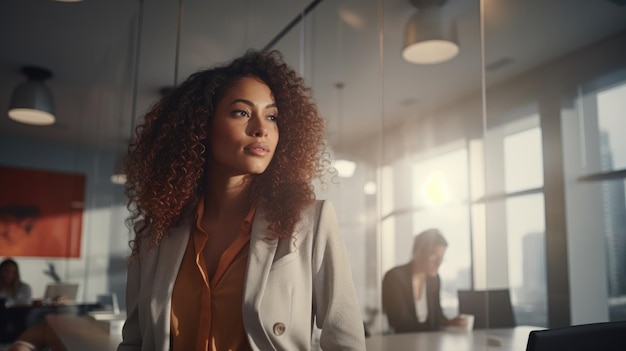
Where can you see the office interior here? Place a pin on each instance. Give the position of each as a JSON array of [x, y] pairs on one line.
[[514, 148]]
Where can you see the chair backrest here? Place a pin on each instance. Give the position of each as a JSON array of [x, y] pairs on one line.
[[608, 336], [491, 308]]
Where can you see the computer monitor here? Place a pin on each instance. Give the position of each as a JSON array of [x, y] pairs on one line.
[[67, 291]]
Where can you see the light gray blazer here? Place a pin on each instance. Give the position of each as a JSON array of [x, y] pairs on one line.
[[289, 283]]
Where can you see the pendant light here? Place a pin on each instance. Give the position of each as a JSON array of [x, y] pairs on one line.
[[429, 37], [32, 101]]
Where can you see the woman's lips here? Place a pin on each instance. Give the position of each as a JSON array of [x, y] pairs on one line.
[[257, 149]]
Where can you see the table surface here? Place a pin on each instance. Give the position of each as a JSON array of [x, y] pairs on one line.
[[81, 333], [507, 339]]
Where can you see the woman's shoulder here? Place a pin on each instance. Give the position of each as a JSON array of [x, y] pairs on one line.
[[321, 207], [318, 211]]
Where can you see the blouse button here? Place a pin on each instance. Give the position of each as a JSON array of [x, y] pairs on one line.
[[279, 328]]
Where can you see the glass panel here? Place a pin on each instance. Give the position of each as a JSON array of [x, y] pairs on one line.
[[525, 227], [441, 180], [614, 210], [479, 247], [602, 106], [92, 88], [336, 49], [427, 122], [572, 87], [592, 136], [477, 169], [615, 215], [611, 112], [440, 192], [455, 270], [523, 160]]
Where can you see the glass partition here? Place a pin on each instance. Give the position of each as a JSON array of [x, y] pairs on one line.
[[551, 89], [76, 233]]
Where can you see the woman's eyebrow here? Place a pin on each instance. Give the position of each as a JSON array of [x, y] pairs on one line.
[[251, 104]]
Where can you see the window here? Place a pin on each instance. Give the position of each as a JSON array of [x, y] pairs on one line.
[[602, 109], [440, 200], [612, 127], [512, 216]]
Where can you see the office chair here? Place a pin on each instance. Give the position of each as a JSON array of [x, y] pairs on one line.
[[491, 308], [608, 336]]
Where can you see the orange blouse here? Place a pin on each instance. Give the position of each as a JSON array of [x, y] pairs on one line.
[[208, 315]]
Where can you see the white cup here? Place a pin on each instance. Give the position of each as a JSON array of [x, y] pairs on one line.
[[469, 321]]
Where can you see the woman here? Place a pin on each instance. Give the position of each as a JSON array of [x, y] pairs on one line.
[[411, 291], [231, 250], [12, 289]]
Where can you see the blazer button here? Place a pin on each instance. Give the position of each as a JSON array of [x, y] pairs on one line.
[[279, 328]]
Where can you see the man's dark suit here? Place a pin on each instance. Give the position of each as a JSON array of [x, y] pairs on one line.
[[399, 306]]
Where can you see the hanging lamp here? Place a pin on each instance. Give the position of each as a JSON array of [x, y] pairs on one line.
[[430, 36], [32, 101]]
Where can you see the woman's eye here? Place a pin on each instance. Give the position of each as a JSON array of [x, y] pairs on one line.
[[272, 117], [241, 113]]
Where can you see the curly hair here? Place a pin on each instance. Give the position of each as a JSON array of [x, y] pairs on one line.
[[166, 166]]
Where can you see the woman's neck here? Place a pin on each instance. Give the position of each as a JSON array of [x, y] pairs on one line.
[[227, 197]]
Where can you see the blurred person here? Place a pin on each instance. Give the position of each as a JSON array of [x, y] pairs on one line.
[[231, 249], [411, 291], [12, 289]]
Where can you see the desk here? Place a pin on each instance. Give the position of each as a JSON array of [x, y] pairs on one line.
[[81, 333], [508, 339]]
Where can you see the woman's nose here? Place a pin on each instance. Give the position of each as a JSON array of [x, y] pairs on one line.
[[258, 128], [260, 132]]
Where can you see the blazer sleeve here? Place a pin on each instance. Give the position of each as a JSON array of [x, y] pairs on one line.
[[131, 332], [399, 309], [335, 303]]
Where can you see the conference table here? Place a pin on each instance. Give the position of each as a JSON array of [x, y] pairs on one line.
[[505, 339], [81, 333]]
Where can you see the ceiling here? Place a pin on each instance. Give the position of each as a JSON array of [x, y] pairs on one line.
[[89, 48]]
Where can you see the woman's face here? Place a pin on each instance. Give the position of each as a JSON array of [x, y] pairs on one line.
[[244, 133], [433, 261], [8, 273]]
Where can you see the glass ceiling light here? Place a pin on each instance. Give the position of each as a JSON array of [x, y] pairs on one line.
[[345, 168], [119, 175], [31, 101], [429, 36]]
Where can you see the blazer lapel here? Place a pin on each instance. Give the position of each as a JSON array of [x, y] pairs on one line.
[[262, 251]]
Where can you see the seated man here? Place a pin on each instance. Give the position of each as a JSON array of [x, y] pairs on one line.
[[411, 291]]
